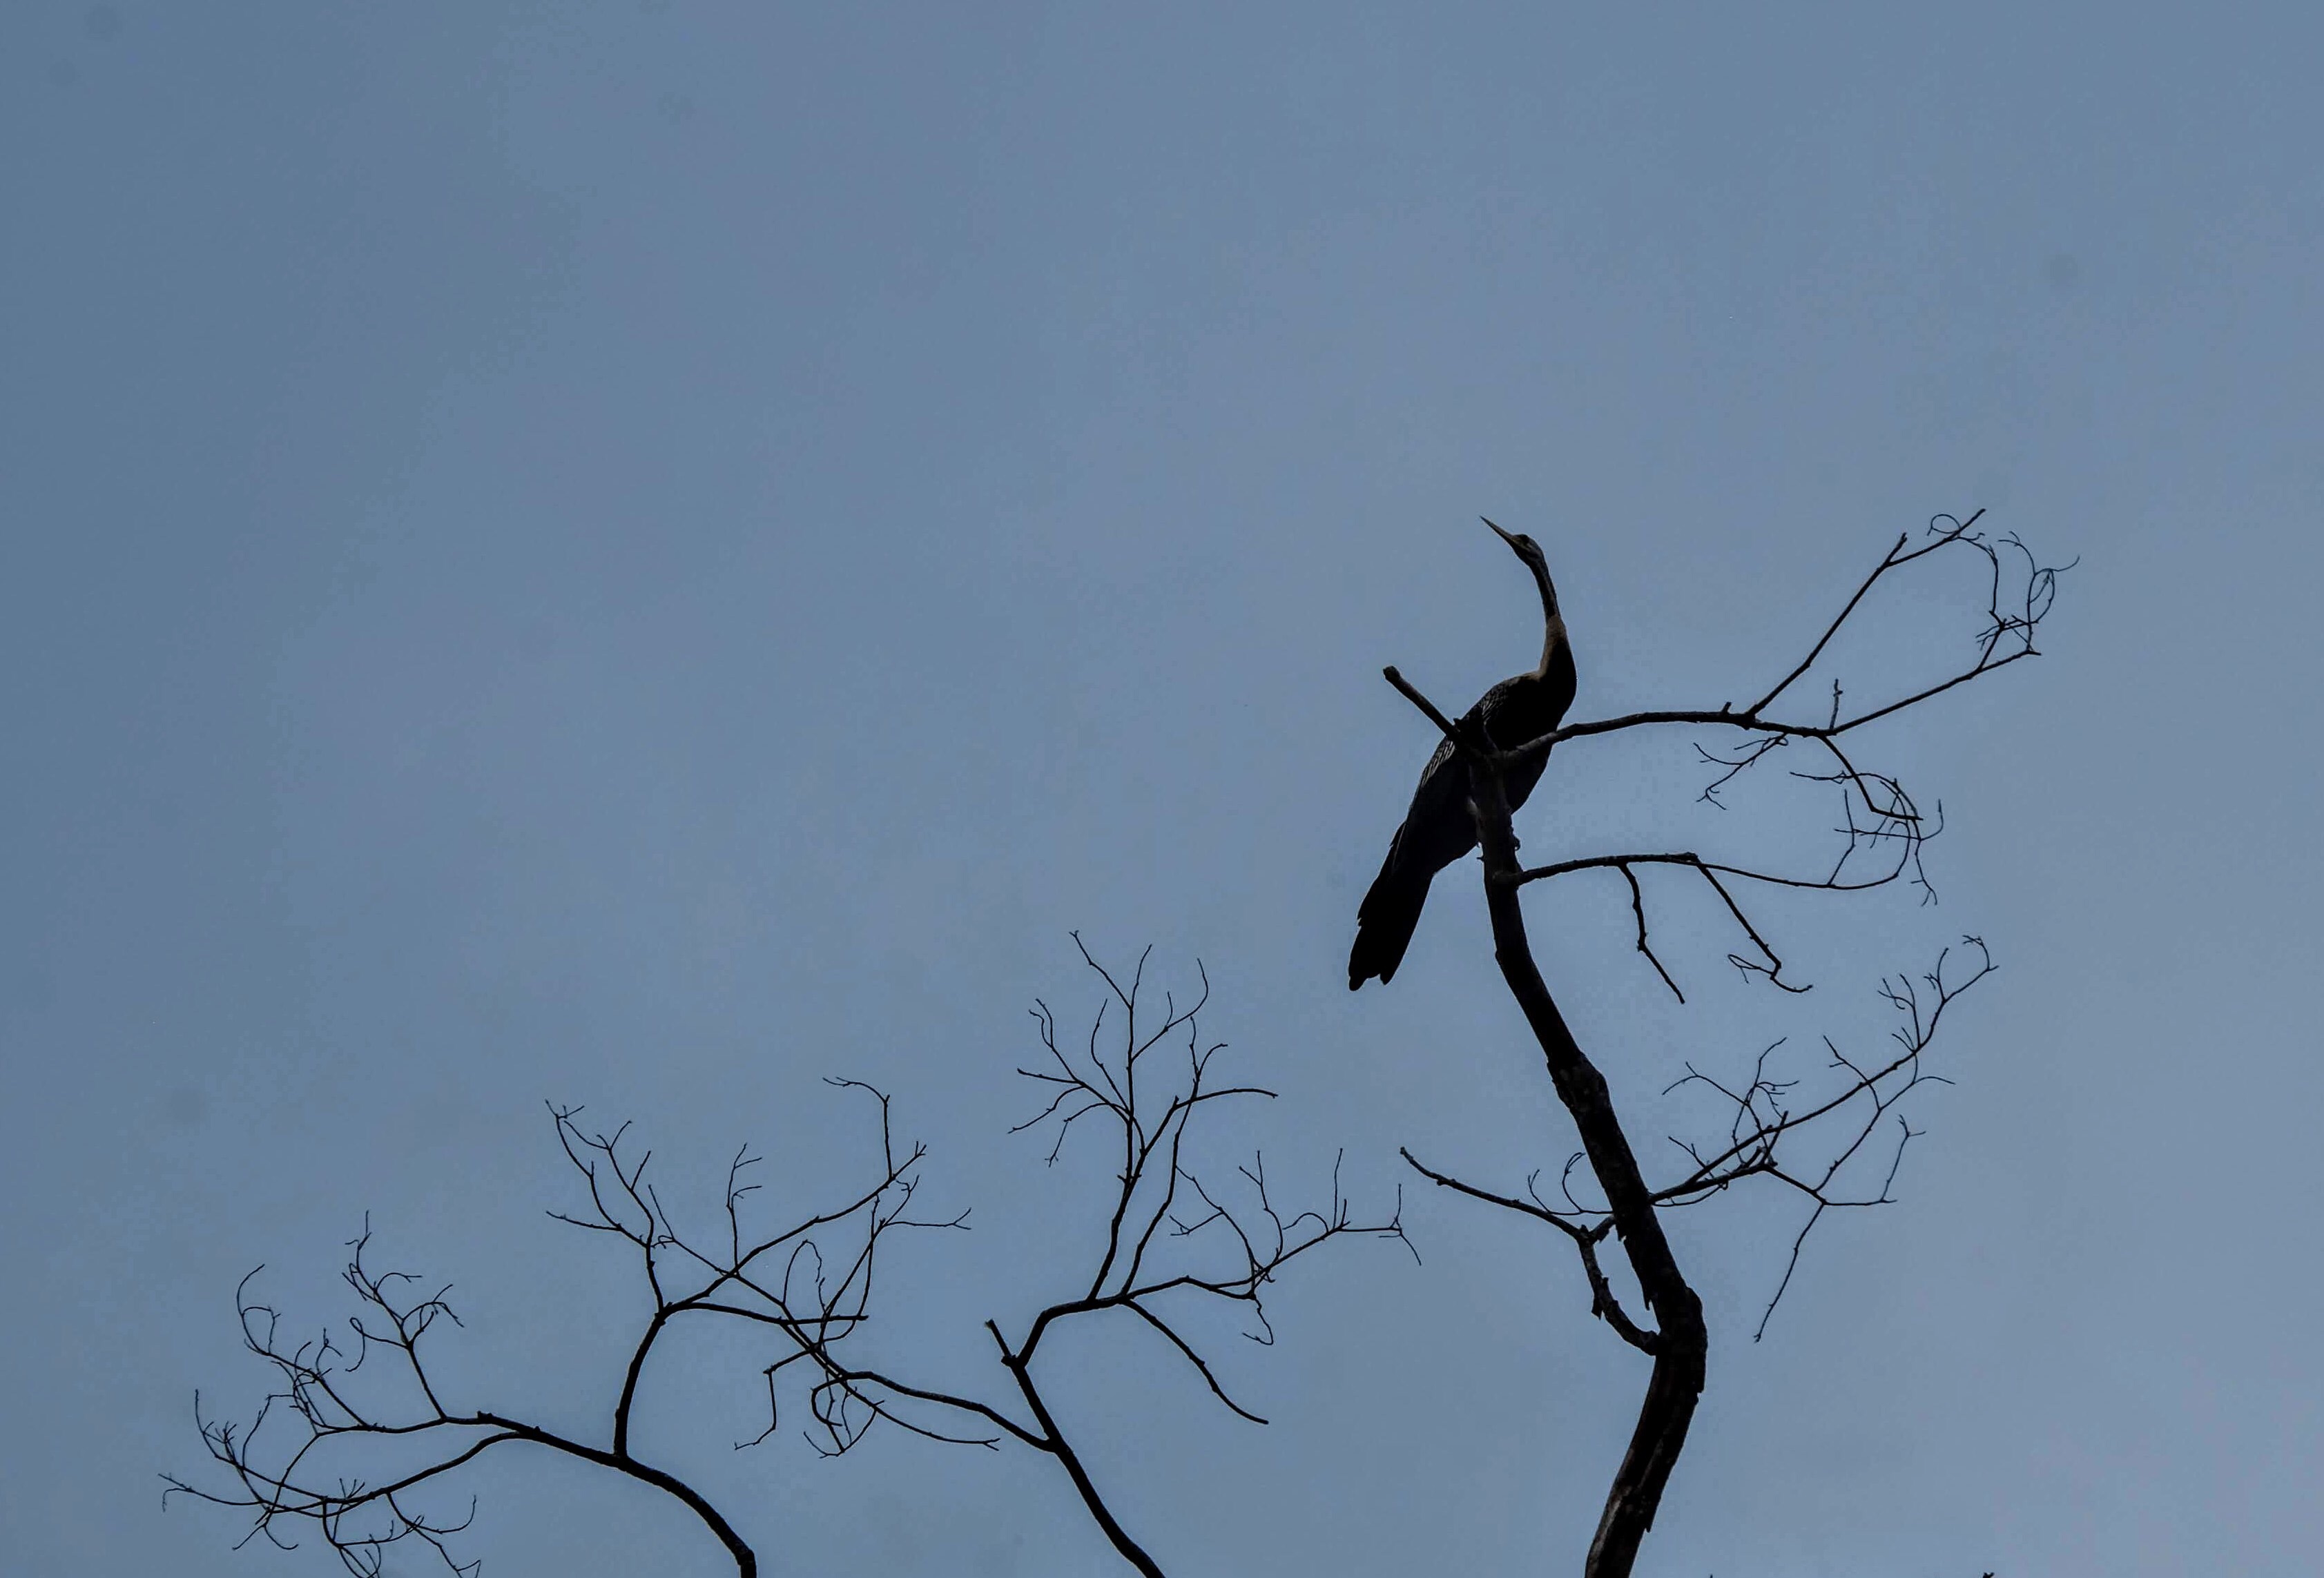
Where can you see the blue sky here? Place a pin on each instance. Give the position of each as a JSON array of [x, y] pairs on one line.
[[645, 555]]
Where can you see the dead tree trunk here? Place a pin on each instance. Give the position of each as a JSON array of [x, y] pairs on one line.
[[1679, 1343]]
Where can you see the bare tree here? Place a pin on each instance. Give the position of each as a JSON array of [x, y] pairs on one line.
[[1823, 1143], [362, 1457]]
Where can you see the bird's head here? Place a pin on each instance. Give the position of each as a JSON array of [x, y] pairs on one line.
[[1527, 550], [1523, 546]]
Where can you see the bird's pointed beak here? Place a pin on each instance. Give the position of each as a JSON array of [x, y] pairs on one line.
[[1503, 536]]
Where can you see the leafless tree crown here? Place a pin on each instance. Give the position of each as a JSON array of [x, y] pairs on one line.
[[1174, 1241]]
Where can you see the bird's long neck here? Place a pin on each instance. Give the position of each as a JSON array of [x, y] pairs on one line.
[[1553, 645]]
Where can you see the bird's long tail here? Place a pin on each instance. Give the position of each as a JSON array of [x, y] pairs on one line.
[[1385, 921]]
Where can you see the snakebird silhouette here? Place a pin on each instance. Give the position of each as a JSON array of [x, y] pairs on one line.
[[1440, 828]]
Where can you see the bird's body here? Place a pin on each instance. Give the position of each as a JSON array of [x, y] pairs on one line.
[[1440, 827]]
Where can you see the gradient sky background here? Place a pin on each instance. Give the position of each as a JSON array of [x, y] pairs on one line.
[[644, 555]]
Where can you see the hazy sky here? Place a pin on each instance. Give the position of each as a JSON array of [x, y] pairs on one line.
[[645, 555]]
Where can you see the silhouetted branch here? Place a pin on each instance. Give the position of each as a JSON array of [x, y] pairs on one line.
[[1173, 1241], [1768, 964], [1767, 1123], [2015, 609], [361, 1519], [1880, 821], [306, 1475], [1602, 1302]]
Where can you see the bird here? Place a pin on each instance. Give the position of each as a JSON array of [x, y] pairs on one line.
[[1440, 827]]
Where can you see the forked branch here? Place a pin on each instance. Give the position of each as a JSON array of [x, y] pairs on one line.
[[1883, 831], [307, 1460], [1176, 1240]]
